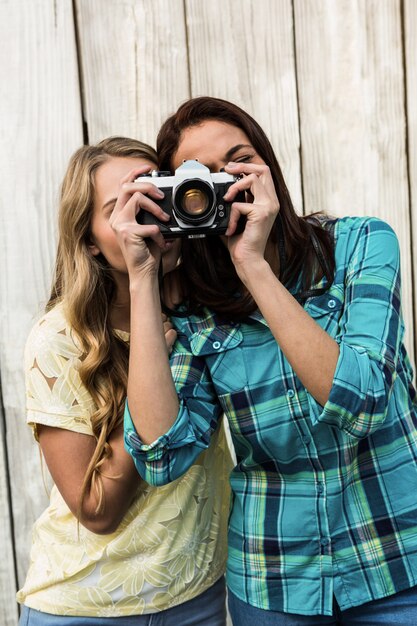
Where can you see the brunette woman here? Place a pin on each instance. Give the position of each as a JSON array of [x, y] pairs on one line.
[[293, 329]]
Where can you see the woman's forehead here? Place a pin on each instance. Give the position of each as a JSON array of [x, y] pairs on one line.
[[209, 142]]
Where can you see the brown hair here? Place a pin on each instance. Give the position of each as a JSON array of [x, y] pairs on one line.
[[84, 284], [207, 270]]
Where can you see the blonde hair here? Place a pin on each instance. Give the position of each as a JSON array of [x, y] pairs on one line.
[[84, 284]]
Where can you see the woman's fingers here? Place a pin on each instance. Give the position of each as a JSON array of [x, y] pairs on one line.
[[256, 213], [251, 183], [131, 185], [170, 337], [261, 204], [147, 188], [169, 332], [234, 217], [128, 232], [141, 244], [129, 179], [135, 173], [166, 323], [256, 181], [247, 168], [133, 204]]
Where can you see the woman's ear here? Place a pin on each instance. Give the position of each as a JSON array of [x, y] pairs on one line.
[[95, 251]]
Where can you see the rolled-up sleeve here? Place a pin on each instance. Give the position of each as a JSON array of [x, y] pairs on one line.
[[369, 336], [168, 457]]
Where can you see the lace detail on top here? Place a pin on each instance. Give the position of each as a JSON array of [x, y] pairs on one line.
[[171, 545]]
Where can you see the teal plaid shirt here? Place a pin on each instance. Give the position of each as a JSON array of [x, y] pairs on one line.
[[324, 497]]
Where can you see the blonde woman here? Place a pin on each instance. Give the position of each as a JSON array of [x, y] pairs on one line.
[[110, 548]]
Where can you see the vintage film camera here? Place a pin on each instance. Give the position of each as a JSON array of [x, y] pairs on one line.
[[193, 199]]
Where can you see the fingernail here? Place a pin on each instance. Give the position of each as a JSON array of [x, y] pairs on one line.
[[160, 193], [232, 165]]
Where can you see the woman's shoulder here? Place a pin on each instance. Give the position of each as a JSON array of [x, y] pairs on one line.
[[368, 237], [354, 226], [55, 394], [51, 333]]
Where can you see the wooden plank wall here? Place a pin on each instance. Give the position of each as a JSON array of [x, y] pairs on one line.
[[333, 82], [41, 124]]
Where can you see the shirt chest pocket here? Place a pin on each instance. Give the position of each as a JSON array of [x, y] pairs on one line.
[[221, 349], [327, 311]]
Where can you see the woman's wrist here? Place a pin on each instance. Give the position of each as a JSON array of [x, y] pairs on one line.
[[142, 280], [253, 271]]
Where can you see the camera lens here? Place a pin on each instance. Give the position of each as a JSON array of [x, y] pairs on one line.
[[194, 201]]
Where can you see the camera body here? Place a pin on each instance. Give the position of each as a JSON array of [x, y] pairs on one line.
[[193, 200]]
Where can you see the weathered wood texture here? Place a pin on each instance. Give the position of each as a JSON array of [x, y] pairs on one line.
[[134, 65], [333, 82], [350, 77], [8, 608], [40, 128], [247, 56], [410, 55]]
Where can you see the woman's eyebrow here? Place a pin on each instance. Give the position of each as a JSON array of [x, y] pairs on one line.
[[229, 154]]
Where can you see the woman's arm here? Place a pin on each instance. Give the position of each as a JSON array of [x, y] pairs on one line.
[[370, 333], [350, 379], [150, 390], [68, 454], [311, 352], [167, 427], [169, 456]]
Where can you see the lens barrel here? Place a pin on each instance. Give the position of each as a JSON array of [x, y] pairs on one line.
[[194, 201]]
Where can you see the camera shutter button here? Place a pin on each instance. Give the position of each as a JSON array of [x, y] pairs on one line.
[[216, 345]]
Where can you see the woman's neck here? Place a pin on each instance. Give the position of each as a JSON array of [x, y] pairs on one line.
[[120, 316], [172, 289], [119, 311]]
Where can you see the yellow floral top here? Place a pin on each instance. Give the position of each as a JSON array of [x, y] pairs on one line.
[[171, 544]]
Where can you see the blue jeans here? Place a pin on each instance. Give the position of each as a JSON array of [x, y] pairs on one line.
[[207, 609], [397, 610]]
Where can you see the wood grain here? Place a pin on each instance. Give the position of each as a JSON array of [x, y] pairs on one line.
[[351, 94], [332, 82], [41, 106], [410, 57], [242, 50], [8, 608], [134, 65]]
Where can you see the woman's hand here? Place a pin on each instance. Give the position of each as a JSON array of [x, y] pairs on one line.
[[249, 247], [141, 245], [169, 332]]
